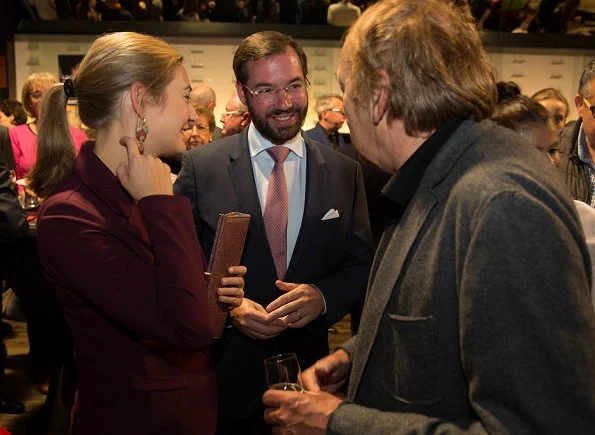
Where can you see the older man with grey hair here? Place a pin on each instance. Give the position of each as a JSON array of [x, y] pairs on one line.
[[331, 118], [478, 315], [236, 116]]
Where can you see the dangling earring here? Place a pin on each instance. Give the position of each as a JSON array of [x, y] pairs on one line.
[[141, 132]]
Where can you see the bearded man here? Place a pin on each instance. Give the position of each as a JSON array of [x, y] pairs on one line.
[[308, 249]]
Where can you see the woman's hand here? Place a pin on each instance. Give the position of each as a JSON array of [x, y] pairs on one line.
[[143, 175], [231, 291]]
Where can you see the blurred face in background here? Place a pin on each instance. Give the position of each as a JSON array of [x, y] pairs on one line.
[[35, 97], [541, 136], [5, 120], [557, 110], [234, 119], [544, 137], [334, 118], [585, 108], [198, 134]]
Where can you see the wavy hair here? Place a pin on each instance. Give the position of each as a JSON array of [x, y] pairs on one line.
[[433, 56], [264, 44]]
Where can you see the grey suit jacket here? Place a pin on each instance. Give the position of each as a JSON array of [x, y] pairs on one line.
[[478, 316], [334, 254]]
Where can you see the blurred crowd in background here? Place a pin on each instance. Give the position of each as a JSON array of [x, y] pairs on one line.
[[519, 16]]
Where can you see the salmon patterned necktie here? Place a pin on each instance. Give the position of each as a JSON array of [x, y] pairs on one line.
[[276, 210]]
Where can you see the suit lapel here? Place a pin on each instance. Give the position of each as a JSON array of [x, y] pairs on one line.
[[316, 190], [242, 178], [390, 266], [383, 281]]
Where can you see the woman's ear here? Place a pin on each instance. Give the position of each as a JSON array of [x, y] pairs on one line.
[[137, 94]]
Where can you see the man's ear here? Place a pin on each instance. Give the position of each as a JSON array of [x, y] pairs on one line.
[[381, 97], [245, 119], [241, 95], [578, 102], [137, 95]]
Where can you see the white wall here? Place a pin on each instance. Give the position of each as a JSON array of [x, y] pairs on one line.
[[209, 60], [537, 68]]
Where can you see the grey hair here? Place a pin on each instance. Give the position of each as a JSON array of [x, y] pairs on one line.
[[586, 78], [203, 95], [237, 103], [324, 102]]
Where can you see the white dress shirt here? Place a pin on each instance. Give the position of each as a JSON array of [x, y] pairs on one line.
[[295, 175]]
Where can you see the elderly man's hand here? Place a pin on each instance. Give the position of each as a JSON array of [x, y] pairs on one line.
[[327, 374], [299, 413]]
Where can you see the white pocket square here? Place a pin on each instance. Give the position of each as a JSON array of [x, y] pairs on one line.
[[331, 214]]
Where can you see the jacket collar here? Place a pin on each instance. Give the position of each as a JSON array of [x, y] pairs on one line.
[[386, 269], [570, 135], [92, 172]]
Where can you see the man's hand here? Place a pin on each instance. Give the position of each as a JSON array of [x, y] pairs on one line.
[[231, 291], [300, 305], [327, 374], [299, 413], [252, 320]]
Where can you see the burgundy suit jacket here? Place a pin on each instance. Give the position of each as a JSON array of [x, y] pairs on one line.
[[130, 280]]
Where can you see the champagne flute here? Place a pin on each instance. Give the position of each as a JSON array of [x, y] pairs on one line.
[[283, 372]]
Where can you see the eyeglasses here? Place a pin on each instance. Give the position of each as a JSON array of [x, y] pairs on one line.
[[233, 112], [267, 94], [197, 126], [590, 107], [335, 109]]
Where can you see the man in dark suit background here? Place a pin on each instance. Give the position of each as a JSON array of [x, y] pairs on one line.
[[289, 304], [331, 118]]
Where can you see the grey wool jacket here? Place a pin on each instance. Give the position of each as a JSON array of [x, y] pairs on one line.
[[478, 317]]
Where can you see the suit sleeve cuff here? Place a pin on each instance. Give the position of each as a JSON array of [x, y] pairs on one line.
[[323, 299]]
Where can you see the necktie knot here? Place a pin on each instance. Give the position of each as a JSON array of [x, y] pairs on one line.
[[279, 153]]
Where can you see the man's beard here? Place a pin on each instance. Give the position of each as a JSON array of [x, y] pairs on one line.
[[276, 135]]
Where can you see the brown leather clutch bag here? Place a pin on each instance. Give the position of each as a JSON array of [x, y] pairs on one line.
[[227, 251]]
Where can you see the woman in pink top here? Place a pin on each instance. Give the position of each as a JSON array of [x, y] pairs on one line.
[[24, 137]]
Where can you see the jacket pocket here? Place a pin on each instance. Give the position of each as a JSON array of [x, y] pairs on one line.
[[417, 368]]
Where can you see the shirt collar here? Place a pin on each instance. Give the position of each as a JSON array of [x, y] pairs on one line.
[[404, 183], [257, 143]]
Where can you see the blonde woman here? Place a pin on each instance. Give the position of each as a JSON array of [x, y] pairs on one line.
[[24, 137], [121, 251]]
